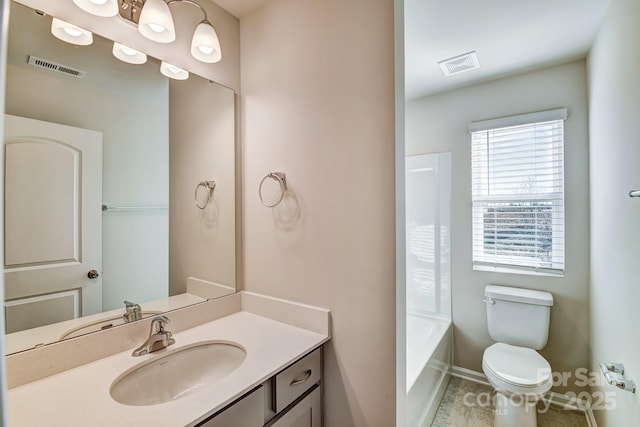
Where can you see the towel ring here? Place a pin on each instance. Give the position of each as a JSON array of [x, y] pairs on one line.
[[209, 186], [282, 180]]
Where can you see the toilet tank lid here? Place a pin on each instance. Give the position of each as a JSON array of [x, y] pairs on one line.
[[527, 296]]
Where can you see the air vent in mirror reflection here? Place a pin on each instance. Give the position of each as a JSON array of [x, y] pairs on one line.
[[54, 66]]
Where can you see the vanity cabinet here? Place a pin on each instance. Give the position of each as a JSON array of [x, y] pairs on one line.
[[291, 398], [306, 413], [246, 412]]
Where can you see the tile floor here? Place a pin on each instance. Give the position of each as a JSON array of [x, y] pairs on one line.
[[477, 412]]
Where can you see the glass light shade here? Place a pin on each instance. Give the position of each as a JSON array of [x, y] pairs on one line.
[[70, 33], [127, 54], [104, 8], [173, 72], [156, 22], [205, 45]]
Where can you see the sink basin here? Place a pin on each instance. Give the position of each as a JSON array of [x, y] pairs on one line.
[[102, 324], [177, 374]]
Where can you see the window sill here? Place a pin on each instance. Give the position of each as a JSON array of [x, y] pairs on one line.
[[519, 270]]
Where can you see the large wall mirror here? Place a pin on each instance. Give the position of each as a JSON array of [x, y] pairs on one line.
[[119, 186]]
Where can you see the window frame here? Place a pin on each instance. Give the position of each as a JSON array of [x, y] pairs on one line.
[[519, 264]]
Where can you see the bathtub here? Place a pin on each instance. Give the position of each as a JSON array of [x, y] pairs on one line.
[[429, 360]]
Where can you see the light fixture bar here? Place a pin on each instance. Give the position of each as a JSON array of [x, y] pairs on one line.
[[130, 10]]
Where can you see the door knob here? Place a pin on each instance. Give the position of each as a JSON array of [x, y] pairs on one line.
[[92, 274]]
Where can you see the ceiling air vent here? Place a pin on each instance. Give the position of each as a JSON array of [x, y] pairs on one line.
[[54, 66], [459, 64]]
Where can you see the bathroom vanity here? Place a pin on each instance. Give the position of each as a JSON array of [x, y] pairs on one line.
[[292, 397], [269, 372]]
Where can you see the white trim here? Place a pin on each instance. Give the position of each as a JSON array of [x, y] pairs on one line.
[[522, 119], [562, 400], [581, 405], [517, 269], [552, 397], [434, 404], [591, 419], [468, 374]]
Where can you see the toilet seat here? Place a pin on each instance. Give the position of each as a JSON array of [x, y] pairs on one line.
[[515, 369]]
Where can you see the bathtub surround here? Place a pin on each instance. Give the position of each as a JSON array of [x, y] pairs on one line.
[[428, 285], [614, 109], [429, 355], [439, 123], [318, 104]]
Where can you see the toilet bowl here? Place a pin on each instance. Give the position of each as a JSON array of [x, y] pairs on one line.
[[520, 376], [519, 320]]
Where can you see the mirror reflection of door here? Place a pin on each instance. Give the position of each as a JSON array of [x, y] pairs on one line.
[[53, 194]]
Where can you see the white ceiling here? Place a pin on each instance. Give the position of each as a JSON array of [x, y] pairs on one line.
[[509, 36]]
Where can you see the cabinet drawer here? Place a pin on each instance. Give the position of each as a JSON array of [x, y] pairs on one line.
[[297, 379]]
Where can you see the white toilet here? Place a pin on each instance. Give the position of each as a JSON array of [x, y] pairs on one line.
[[518, 319]]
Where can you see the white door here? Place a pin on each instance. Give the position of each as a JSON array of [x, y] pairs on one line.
[[52, 222]]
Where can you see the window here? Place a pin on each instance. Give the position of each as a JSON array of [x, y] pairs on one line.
[[518, 193]]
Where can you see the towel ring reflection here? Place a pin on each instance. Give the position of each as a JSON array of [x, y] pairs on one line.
[[209, 186], [281, 178]]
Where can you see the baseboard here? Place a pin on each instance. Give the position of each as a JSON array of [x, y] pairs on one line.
[[581, 405], [553, 398], [591, 419], [468, 374]]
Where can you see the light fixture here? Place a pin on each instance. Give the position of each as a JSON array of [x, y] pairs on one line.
[[156, 22], [173, 72], [205, 45], [127, 54], [70, 33], [105, 8]]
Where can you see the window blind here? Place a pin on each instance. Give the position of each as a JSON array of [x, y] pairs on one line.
[[518, 193]]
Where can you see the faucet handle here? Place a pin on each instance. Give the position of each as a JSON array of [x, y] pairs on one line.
[[161, 321], [133, 312]]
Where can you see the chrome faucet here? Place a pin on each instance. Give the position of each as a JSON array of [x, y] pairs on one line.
[[133, 312], [158, 339]]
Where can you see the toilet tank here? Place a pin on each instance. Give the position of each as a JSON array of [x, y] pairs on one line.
[[518, 316]]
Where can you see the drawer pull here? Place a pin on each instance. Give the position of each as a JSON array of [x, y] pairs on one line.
[[307, 375]]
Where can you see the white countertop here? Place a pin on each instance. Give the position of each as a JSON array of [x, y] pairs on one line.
[[80, 396]]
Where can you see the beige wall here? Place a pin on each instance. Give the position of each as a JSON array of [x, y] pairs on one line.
[[202, 134], [614, 102], [440, 124], [317, 103]]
